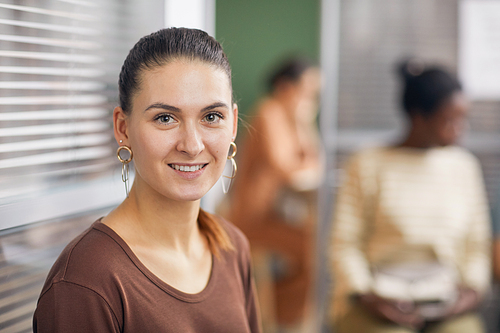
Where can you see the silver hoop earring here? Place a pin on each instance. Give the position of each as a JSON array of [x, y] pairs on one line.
[[125, 168], [234, 169]]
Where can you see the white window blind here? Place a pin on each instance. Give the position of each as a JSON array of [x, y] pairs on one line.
[[59, 65]]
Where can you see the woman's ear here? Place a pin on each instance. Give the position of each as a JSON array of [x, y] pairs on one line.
[[120, 126], [235, 119]]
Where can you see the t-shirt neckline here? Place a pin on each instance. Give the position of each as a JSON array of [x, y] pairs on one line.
[[183, 296]]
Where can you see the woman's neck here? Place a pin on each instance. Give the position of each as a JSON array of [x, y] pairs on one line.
[[417, 138], [147, 218]]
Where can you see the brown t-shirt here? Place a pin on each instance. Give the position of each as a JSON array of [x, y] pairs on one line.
[[98, 285]]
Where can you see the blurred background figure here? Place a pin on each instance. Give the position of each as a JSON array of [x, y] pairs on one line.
[[496, 239], [411, 233], [273, 197], [496, 259]]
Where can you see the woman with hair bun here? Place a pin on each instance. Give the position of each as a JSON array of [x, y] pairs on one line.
[[273, 195], [411, 249], [158, 263]]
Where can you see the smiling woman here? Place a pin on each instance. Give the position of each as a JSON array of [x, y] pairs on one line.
[[158, 263]]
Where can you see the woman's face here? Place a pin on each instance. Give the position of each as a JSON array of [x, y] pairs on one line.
[[180, 128], [302, 95], [308, 89], [449, 122]]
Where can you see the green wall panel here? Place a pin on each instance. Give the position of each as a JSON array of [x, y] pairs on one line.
[[256, 34]]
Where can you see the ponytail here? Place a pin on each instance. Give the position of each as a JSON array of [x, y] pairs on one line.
[[217, 237]]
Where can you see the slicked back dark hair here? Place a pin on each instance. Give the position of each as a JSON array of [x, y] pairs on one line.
[[162, 47], [426, 89], [289, 71]]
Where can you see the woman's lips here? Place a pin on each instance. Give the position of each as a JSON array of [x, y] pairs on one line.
[[188, 171]]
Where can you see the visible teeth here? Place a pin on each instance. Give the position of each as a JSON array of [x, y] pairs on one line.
[[186, 168]]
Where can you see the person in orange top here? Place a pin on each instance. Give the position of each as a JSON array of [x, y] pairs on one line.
[[273, 195]]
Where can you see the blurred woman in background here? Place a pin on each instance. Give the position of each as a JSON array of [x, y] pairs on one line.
[[411, 235], [272, 199]]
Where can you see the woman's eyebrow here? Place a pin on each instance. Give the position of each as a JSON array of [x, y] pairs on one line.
[[176, 109], [163, 106], [215, 105]]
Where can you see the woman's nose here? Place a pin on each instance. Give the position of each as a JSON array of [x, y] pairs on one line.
[[190, 141]]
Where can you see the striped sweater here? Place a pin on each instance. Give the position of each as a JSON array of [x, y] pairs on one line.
[[402, 205]]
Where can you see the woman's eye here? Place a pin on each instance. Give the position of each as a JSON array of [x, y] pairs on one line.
[[213, 118], [165, 119]]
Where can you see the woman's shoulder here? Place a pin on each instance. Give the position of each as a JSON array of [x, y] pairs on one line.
[[460, 153], [267, 111], [88, 259], [366, 158], [239, 256], [86, 282], [237, 237], [381, 153], [463, 161], [266, 104], [369, 152]]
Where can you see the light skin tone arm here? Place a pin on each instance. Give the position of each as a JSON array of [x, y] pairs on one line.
[[405, 313], [402, 313]]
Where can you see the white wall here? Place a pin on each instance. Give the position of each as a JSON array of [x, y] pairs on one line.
[[199, 14]]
